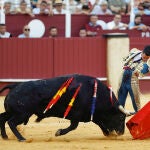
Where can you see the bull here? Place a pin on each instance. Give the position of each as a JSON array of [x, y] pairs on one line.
[[32, 97]]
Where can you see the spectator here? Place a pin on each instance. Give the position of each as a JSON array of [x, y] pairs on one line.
[[34, 3], [3, 32], [135, 6], [116, 24], [146, 4], [84, 10], [7, 8], [79, 6], [58, 7], [101, 9], [137, 24], [140, 9], [117, 6], [26, 32], [16, 3], [53, 32], [23, 9], [92, 28], [49, 4], [82, 32], [42, 9]]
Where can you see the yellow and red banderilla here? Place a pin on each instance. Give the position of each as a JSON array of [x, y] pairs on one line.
[[72, 101], [58, 95]]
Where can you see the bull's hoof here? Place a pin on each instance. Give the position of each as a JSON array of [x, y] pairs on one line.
[[58, 133], [105, 133], [5, 137]]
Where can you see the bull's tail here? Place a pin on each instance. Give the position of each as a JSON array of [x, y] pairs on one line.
[[11, 86]]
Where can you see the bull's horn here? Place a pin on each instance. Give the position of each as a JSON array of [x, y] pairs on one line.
[[127, 113]]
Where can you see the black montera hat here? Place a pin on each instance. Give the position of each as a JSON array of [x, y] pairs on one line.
[[147, 50]]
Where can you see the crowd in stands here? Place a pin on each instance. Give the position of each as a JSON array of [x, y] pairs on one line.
[[99, 7], [117, 8]]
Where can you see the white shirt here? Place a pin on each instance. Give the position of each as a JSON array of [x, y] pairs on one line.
[[111, 25], [99, 2], [6, 35], [36, 11], [63, 11], [138, 57], [23, 36], [97, 10]]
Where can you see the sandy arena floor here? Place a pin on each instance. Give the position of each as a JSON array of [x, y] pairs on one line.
[[87, 136]]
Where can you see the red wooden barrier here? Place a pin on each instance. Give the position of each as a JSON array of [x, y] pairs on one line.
[[39, 58], [26, 58], [80, 55], [139, 42]]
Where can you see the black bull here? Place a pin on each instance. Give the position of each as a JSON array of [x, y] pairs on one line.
[[28, 98]]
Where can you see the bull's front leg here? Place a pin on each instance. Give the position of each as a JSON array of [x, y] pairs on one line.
[[13, 122], [72, 126]]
